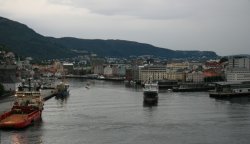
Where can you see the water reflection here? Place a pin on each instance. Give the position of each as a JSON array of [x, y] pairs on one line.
[[150, 105], [31, 134], [18, 138], [62, 100], [238, 100]]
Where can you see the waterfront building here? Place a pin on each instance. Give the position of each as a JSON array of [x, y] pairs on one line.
[[239, 62], [176, 75], [152, 73], [238, 69], [8, 77], [108, 71], [99, 69], [68, 68], [195, 76], [237, 75], [160, 72], [115, 70], [121, 70], [135, 73]]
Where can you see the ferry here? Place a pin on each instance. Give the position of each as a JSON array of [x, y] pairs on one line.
[[27, 109], [150, 93], [231, 90]]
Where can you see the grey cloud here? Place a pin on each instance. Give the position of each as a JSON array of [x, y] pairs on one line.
[[217, 25], [150, 9]]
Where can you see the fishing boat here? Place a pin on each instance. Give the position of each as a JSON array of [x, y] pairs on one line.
[[150, 93], [27, 108], [226, 90]]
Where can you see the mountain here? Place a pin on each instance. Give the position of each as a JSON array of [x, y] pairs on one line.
[[26, 42]]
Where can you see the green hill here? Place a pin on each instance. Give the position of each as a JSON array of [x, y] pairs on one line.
[[26, 42]]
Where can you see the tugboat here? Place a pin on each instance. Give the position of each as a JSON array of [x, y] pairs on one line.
[[150, 93], [27, 108]]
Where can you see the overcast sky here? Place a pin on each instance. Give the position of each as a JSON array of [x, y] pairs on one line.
[[222, 26]]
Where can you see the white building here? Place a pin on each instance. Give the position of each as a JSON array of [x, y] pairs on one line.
[[195, 76], [238, 75], [99, 69], [108, 71], [152, 73], [238, 69], [239, 62]]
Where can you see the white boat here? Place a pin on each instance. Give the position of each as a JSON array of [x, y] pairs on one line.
[[150, 93]]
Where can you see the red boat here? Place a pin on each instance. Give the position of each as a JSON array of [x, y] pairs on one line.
[[27, 108]]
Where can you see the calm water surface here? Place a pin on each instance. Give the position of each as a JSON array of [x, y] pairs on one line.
[[110, 113]]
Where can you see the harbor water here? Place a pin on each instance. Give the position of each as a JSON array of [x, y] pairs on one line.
[[103, 112]]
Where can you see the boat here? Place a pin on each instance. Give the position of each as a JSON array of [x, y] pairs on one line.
[[192, 87], [62, 89], [167, 84], [226, 90], [27, 109], [48, 88], [150, 93], [100, 77]]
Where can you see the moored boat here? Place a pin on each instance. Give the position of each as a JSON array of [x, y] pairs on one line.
[[27, 108], [167, 84], [192, 87], [62, 89]]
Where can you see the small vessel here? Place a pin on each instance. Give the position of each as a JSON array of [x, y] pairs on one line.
[[150, 93], [167, 84], [226, 90], [100, 77], [27, 108], [193, 87], [62, 89], [48, 87]]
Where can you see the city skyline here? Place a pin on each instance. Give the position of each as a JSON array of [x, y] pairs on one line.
[[220, 26]]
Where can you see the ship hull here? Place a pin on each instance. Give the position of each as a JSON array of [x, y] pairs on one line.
[[192, 89], [150, 97], [15, 120]]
